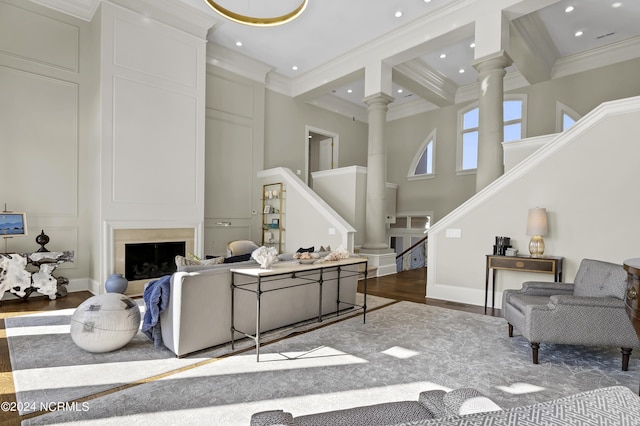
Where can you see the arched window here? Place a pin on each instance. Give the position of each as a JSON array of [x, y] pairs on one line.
[[565, 117], [514, 114], [423, 164]]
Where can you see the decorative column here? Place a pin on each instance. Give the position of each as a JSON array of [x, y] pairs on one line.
[[376, 173], [491, 72]]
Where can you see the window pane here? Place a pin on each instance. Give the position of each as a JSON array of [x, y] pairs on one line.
[[470, 119], [424, 165], [418, 222], [470, 150], [567, 121], [512, 132], [401, 222], [512, 110]]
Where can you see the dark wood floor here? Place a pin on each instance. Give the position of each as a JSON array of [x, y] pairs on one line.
[[410, 285], [407, 285]]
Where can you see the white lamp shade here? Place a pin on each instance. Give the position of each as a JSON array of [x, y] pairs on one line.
[[537, 222]]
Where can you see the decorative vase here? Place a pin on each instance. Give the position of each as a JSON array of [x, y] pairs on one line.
[[116, 283]]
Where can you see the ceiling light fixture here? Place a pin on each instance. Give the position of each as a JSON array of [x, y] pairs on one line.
[[239, 43], [472, 45], [461, 70], [443, 55], [255, 20], [578, 33], [398, 14], [616, 4], [295, 68], [569, 9]]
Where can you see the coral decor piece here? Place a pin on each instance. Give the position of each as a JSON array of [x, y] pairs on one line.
[[337, 254], [265, 256]]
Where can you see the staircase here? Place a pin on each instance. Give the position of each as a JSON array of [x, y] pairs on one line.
[[586, 178]]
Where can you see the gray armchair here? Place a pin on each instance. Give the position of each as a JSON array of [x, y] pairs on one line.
[[590, 311]]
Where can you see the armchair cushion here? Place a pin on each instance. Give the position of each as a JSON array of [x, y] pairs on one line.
[[600, 279]]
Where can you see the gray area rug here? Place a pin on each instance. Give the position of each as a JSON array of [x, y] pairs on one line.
[[402, 349], [49, 368]]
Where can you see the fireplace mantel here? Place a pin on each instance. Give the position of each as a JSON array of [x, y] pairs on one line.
[[123, 236]]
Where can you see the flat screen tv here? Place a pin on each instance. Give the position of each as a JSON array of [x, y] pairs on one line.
[[13, 224]]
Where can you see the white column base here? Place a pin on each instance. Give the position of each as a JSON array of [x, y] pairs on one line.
[[384, 262]]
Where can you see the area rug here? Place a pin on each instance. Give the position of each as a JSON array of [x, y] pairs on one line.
[[401, 350], [48, 367]]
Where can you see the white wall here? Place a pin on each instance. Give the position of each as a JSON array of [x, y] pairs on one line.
[[344, 189], [586, 178], [153, 126], [44, 69]]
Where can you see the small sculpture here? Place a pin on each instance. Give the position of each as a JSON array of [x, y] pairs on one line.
[[42, 239]]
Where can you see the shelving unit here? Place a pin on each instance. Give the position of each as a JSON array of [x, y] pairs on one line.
[[273, 203]]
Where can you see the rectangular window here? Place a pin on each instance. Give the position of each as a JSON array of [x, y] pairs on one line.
[[470, 150]]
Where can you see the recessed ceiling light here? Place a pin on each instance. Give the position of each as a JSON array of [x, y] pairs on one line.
[[472, 45], [398, 14], [349, 91], [443, 55], [239, 43], [461, 70], [400, 91], [569, 9], [427, 1], [616, 4], [578, 33], [295, 68]]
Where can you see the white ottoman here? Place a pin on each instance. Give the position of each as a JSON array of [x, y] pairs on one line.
[[105, 322]]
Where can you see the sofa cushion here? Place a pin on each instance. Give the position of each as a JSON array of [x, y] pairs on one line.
[[521, 301], [239, 258], [184, 261], [389, 413], [600, 279]]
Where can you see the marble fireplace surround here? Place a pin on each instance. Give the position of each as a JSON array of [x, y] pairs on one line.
[[121, 237]]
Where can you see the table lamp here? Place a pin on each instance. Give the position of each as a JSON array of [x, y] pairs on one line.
[[536, 228]]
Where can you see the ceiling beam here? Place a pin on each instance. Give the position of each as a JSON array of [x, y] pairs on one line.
[[422, 80], [531, 48]]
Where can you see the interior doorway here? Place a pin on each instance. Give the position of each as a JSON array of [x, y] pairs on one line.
[[321, 151]]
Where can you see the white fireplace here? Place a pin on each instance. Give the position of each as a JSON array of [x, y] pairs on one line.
[[124, 237]]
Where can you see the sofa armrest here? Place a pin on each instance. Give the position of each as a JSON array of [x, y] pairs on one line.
[[468, 401], [602, 302], [546, 288], [456, 402], [274, 417]]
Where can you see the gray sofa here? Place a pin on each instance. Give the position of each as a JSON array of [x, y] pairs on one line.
[[615, 405], [198, 315]]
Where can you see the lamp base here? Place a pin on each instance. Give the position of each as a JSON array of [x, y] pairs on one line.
[[536, 246]]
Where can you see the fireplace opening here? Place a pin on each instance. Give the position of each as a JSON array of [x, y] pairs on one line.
[[151, 260]]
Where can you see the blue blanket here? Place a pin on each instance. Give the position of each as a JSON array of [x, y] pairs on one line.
[[156, 299]]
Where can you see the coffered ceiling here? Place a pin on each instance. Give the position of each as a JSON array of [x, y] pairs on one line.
[[320, 56]]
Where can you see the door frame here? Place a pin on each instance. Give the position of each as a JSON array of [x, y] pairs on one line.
[[336, 145]]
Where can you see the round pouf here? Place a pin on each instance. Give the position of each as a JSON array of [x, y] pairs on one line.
[[105, 322]]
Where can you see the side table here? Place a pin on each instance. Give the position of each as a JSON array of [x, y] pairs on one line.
[[545, 265], [26, 273]]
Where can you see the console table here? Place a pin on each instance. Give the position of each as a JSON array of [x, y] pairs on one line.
[[545, 265], [309, 274], [26, 273]]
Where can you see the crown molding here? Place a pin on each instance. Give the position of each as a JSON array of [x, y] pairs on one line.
[[409, 109], [340, 106], [173, 13], [81, 9], [513, 80], [621, 51], [426, 82], [237, 63]]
